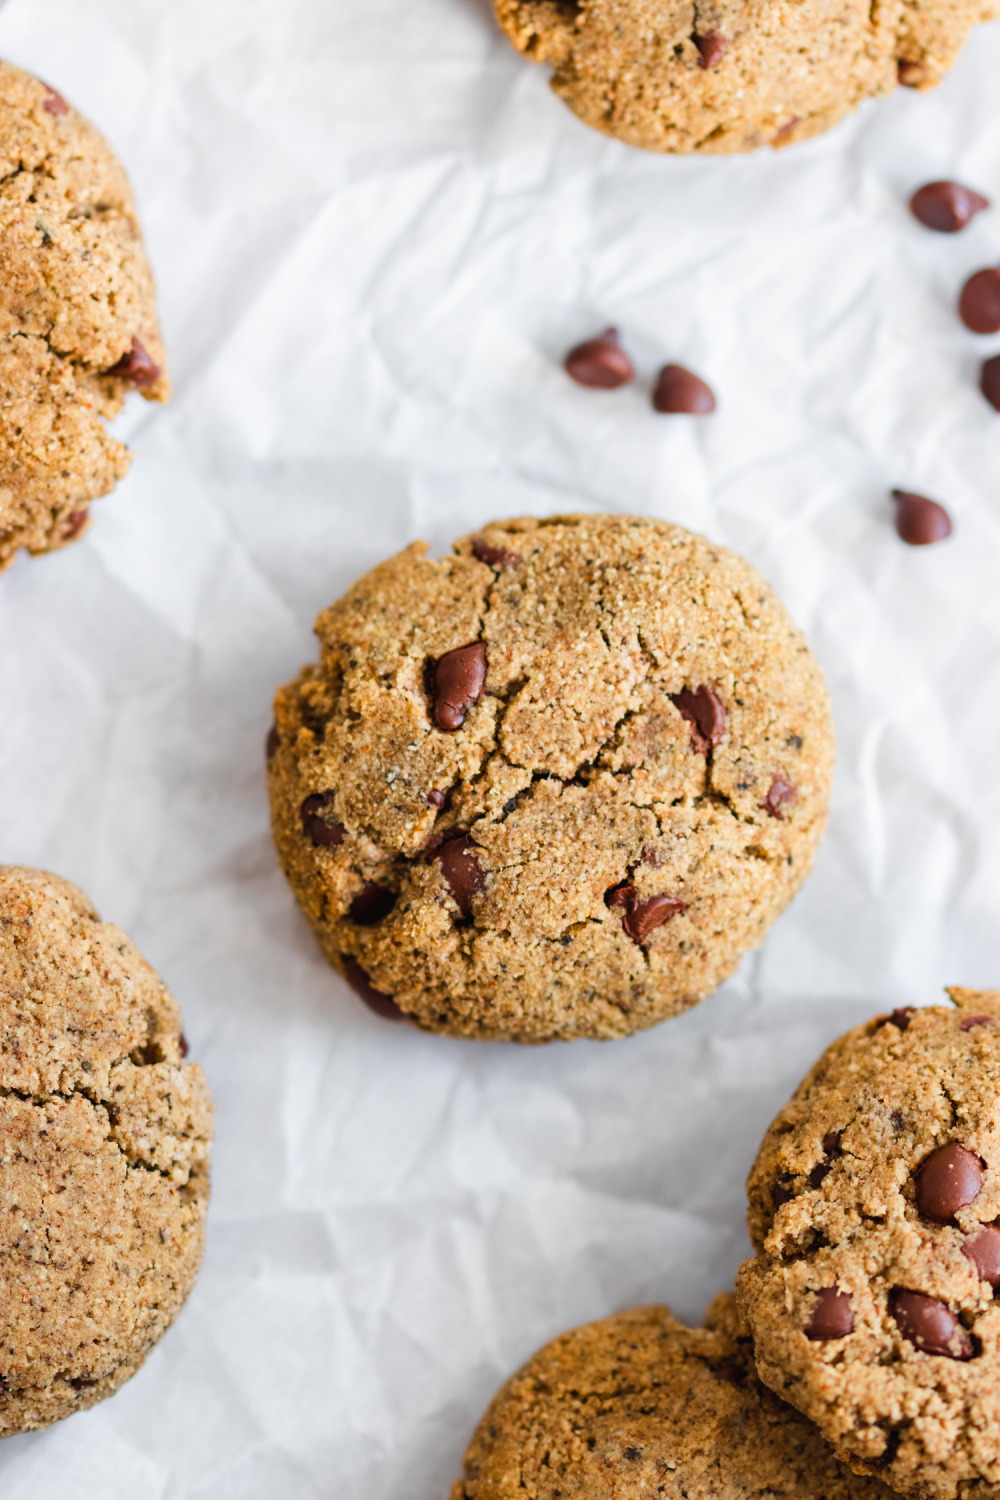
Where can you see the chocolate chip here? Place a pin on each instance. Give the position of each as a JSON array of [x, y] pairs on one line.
[[781, 794], [898, 1018], [54, 102], [795, 742], [640, 918], [946, 206], [81, 1383], [75, 522], [831, 1148], [951, 1178], [989, 381], [371, 904], [632, 1454], [436, 799], [182, 1045], [781, 1193], [785, 131], [705, 712], [911, 74], [494, 557], [382, 1005], [832, 1315], [712, 47], [979, 304], [929, 1324], [460, 869], [600, 363], [315, 827], [818, 1173], [456, 683], [983, 1249], [137, 367], [679, 391], [729, 1374], [920, 521], [972, 1021], [831, 1141], [273, 742]]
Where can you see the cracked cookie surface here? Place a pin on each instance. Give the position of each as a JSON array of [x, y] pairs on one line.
[[554, 785], [731, 75], [78, 326], [638, 1405], [874, 1202], [104, 1144]]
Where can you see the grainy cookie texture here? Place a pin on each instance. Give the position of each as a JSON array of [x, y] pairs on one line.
[[731, 75], [638, 1406], [555, 784], [874, 1203], [104, 1142], [78, 326]]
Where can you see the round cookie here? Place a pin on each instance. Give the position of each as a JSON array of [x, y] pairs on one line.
[[104, 1162], [731, 75], [639, 1406], [78, 327], [554, 785], [873, 1203]]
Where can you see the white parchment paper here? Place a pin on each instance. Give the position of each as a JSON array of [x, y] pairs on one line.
[[375, 233]]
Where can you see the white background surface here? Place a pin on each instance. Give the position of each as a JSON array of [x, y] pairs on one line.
[[375, 233]]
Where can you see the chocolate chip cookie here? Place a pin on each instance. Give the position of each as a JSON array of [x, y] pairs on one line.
[[78, 326], [639, 1406], [731, 75], [555, 784], [874, 1207], [104, 1141]]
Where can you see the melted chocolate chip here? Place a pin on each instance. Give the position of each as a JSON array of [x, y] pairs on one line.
[[382, 1005], [971, 1022], [436, 799], [832, 1315], [460, 869], [983, 1249], [979, 304], [456, 684], [920, 521], [989, 381], [75, 522], [929, 1324], [315, 827], [640, 918], [951, 1178], [54, 102], [705, 712], [712, 48], [600, 363], [680, 392], [371, 904], [780, 794], [898, 1018], [137, 367], [494, 557], [273, 742], [182, 1045], [946, 206]]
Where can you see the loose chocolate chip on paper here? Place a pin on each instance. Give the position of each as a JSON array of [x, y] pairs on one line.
[[989, 381], [680, 392], [456, 684], [273, 742], [946, 206], [382, 1005], [494, 557], [641, 918], [461, 870], [983, 1249], [832, 1315], [781, 794], [137, 367], [920, 521], [712, 49], [929, 1324], [601, 363], [371, 904], [705, 712], [315, 827], [971, 1022], [951, 1178], [979, 304], [54, 102]]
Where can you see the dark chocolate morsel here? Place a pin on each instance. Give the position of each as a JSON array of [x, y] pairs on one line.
[[831, 1147], [711, 47], [371, 904], [989, 381], [979, 304], [494, 557], [315, 827], [898, 1018], [780, 794], [436, 799], [971, 1022], [456, 684], [137, 367], [54, 102], [680, 392], [831, 1141], [182, 1045], [460, 869], [983, 1248], [600, 363], [75, 522], [382, 1005], [920, 521], [781, 1193], [819, 1172], [832, 1315], [929, 1324], [946, 206], [910, 74], [729, 1374], [705, 712], [951, 1178], [642, 917], [273, 742]]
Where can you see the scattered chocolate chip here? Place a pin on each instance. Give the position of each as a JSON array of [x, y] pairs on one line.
[[712, 47], [972, 1021], [137, 367], [898, 1018], [460, 869], [979, 304], [729, 1374], [632, 1454], [54, 102], [600, 363], [382, 1005], [371, 904], [951, 1178], [494, 557], [920, 521], [436, 799], [679, 391], [989, 381], [946, 206], [640, 918], [781, 794], [781, 1193], [832, 1315], [273, 742], [75, 522], [456, 683], [983, 1249], [929, 1324], [705, 712], [182, 1045], [315, 827]]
